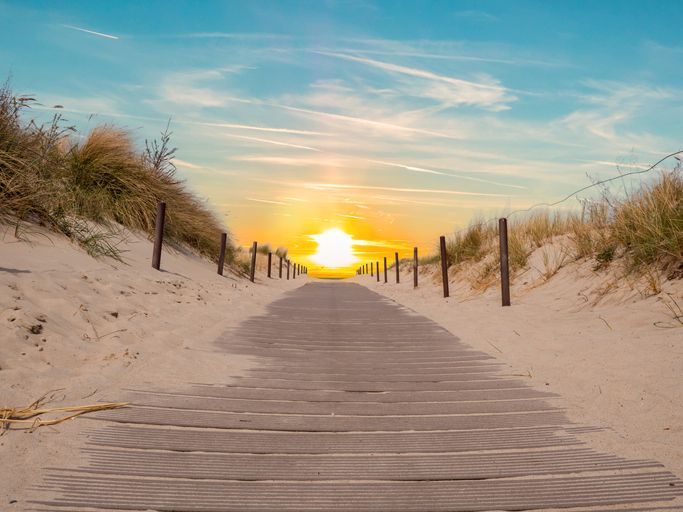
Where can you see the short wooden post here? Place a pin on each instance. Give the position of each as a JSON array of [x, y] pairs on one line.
[[377, 268], [287, 270], [372, 270], [444, 265], [385, 269], [252, 273], [398, 279], [293, 270], [221, 254], [504, 261], [159, 235], [270, 262], [280, 272], [414, 267]]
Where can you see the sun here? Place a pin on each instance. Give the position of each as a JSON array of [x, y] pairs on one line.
[[335, 249]]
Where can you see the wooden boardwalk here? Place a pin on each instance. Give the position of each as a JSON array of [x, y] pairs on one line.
[[353, 403]]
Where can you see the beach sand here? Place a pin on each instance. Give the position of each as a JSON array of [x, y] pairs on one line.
[[89, 328], [607, 344]]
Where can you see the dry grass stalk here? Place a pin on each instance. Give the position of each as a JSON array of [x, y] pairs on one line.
[[28, 417]]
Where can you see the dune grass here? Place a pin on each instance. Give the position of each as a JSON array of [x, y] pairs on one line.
[[644, 228], [87, 188]]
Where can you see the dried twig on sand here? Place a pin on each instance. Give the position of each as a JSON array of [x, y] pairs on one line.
[[28, 417]]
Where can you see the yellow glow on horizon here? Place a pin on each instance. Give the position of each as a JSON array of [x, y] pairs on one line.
[[335, 249]]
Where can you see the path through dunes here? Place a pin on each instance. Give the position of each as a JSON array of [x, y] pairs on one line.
[[353, 403]]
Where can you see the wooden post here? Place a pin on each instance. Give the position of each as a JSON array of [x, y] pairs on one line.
[[280, 272], [397, 270], [377, 268], [414, 267], [444, 265], [270, 262], [293, 270], [287, 270], [372, 270], [253, 262], [385, 269], [504, 261], [159, 235], [221, 254]]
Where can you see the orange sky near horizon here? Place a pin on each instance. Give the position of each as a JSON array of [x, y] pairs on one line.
[[295, 229]]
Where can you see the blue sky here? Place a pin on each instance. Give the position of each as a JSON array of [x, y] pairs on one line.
[[395, 121]]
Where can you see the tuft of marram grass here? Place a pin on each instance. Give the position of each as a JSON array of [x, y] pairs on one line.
[[45, 177], [648, 225], [645, 227]]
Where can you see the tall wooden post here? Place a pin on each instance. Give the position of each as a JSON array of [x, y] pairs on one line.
[[221, 254], [252, 272], [414, 267], [287, 270], [377, 270], [280, 272], [504, 261], [397, 269], [293, 270], [159, 235], [372, 270], [270, 262], [444, 265], [385, 269]]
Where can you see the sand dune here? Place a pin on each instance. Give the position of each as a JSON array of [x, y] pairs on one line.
[[90, 327]]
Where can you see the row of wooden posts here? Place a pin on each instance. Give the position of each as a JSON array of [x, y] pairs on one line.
[[367, 268], [294, 268]]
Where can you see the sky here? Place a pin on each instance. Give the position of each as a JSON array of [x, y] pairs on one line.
[[394, 122]]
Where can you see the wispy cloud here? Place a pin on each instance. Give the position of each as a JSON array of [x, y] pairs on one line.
[[476, 15], [323, 186], [349, 216], [182, 163], [289, 161], [268, 141], [465, 91], [622, 165], [269, 129], [268, 201], [369, 122], [441, 173], [92, 32]]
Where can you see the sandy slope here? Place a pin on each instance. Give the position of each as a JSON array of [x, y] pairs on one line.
[[605, 343], [91, 327]]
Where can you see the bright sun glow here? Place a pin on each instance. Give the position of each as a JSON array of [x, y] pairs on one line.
[[335, 249]]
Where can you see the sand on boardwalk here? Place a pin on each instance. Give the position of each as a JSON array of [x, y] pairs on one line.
[[607, 344], [90, 327]]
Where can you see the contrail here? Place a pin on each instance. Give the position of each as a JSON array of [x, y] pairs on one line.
[[397, 189], [266, 201], [108, 36], [268, 141], [440, 173]]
